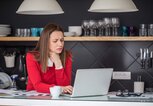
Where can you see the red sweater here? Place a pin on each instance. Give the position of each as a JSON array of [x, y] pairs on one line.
[[41, 82]]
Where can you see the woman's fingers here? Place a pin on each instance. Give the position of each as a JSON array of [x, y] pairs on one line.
[[68, 89]]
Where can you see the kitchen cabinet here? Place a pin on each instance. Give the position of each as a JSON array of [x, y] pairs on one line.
[[86, 38]]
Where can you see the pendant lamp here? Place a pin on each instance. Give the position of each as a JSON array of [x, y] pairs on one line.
[[113, 6], [39, 7]]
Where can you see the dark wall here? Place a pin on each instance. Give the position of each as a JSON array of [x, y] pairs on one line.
[[119, 55], [75, 12], [122, 56]]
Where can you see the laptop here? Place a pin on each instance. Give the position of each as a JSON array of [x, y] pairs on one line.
[[91, 82]]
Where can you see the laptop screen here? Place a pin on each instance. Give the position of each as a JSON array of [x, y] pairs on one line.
[[92, 82]]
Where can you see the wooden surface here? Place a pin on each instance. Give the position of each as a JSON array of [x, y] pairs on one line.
[[110, 38]]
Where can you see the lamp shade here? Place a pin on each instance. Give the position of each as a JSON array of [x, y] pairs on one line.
[[113, 6], [39, 7]]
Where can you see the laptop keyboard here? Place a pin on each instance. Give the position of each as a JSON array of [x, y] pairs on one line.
[[68, 95]]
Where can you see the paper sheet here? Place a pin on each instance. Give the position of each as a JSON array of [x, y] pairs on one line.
[[12, 93]]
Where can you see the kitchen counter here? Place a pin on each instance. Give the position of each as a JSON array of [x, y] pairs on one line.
[[46, 100], [62, 102]]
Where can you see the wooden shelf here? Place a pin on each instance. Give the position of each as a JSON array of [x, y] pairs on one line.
[[19, 38], [110, 38]]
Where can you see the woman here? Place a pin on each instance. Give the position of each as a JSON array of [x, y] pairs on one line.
[[49, 64]]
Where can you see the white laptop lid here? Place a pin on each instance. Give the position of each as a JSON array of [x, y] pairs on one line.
[[92, 82]]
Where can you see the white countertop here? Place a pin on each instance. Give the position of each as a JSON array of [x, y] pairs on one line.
[[39, 99], [45, 102]]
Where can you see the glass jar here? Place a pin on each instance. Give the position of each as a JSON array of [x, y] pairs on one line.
[[143, 30], [132, 31], [125, 31], [150, 30]]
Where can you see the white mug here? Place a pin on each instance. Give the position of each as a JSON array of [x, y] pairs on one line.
[[138, 87], [55, 91]]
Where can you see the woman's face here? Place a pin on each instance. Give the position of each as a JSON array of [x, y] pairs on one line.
[[56, 42]]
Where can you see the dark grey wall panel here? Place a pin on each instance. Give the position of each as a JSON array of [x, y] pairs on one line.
[[75, 12], [122, 56]]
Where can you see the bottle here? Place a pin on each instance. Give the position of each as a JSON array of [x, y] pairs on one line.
[[21, 81], [20, 68], [13, 85]]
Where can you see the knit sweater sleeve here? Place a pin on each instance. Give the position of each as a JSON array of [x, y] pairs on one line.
[[62, 76], [35, 76]]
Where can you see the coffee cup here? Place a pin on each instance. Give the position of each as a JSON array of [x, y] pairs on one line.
[[55, 91]]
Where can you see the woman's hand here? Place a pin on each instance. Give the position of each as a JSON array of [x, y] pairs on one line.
[[56, 60], [67, 89]]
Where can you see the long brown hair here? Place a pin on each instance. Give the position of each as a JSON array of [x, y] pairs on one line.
[[42, 46]]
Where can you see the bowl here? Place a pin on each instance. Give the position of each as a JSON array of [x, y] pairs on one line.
[[76, 29], [69, 34]]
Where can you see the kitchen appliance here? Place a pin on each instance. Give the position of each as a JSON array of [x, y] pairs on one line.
[[5, 80]]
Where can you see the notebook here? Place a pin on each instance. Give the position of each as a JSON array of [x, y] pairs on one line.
[[91, 82]]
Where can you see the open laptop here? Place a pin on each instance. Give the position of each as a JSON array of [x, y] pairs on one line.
[[92, 82]]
